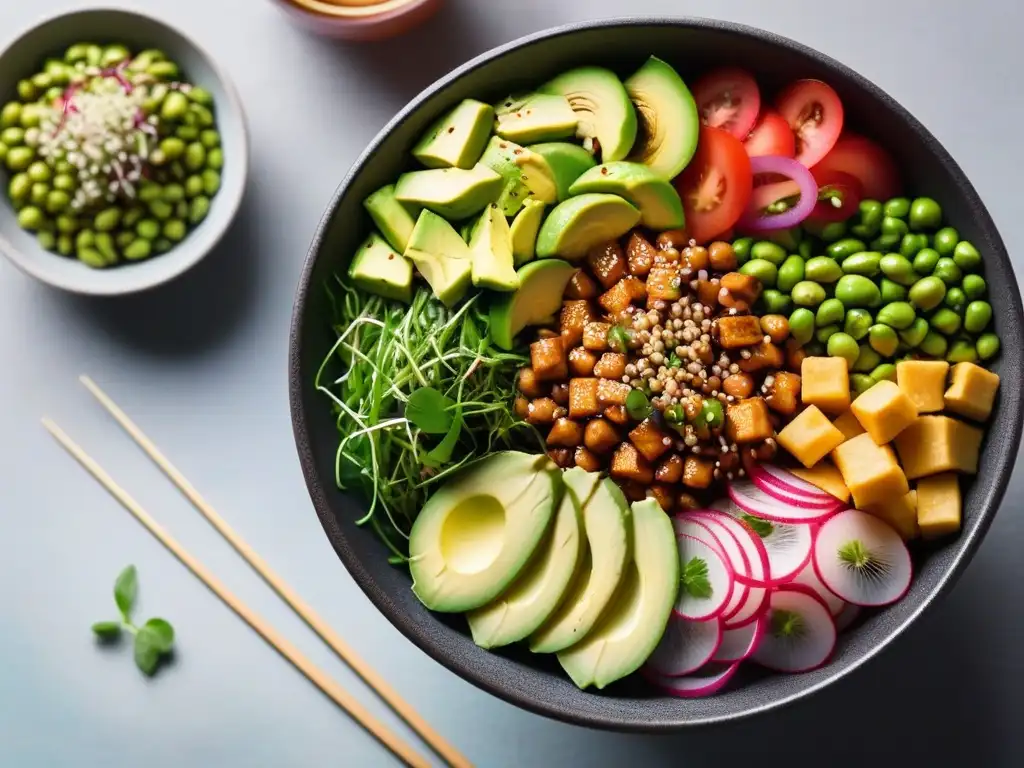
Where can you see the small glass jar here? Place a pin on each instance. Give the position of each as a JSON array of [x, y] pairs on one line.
[[359, 20]]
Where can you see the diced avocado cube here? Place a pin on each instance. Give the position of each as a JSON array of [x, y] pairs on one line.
[[378, 269], [458, 138], [394, 220]]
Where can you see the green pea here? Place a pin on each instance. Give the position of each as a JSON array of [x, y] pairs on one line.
[[883, 339], [899, 315], [57, 200], [174, 230], [915, 334], [67, 224], [172, 147], [987, 346], [107, 220], [977, 316], [911, 244], [956, 299], [925, 261], [945, 320], [741, 248], [898, 269], [945, 241], [64, 182], [822, 269], [927, 293], [173, 193], [857, 291], [863, 263], [187, 133], [165, 70], [47, 240], [195, 158], [91, 258], [105, 245], [830, 312], [139, 249], [39, 171], [925, 213], [974, 286], [861, 383], [825, 332], [31, 218], [966, 256], [174, 107], [857, 323], [85, 239], [204, 117], [768, 251], [790, 273], [20, 158], [10, 115], [200, 96], [894, 227], [897, 208], [194, 187], [962, 351], [148, 229], [807, 294], [866, 360], [842, 345], [934, 344], [65, 245], [124, 239], [163, 245], [27, 91], [211, 140], [833, 231], [160, 209], [843, 248], [947, 271], [198, 208], [38, 194], [775, 302], [19, 187], [801, 325], [211, 182], [763, 270], [884, 372], [215, 161]]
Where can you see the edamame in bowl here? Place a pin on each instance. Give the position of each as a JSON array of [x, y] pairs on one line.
[[123, 152]]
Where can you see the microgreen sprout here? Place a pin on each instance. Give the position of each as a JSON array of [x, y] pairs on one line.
[[153, 641]]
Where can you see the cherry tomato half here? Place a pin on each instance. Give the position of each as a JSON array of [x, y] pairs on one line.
[[867, 162], [839, 195], [815, 113], [716, 185], [728, 98], [771, 136]]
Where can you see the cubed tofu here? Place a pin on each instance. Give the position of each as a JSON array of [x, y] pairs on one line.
[[900, 512], [562, 457], [870, 471], [628, 464], [608, 263], [924, 381], [810, 437], [707, 293], [664, 284], [784, 393], [939, 507], [612, 365], [934, 444], [547, 358], [586, 459], [747, 421], [575, 316], [735, 331], [582, 362], [617, 414], [583, 398], [595, 336], [612, 392], [617, 298], [884, 411], [541, 410], [698, 472], [825, 476], [825, 382], [636, 287], [650, 440], [848, 425], [972, 391], [639, 255], [600, 436], [581, 286], [663, 494], [670, 470], [565, 433], [763, 355], [528, 383]]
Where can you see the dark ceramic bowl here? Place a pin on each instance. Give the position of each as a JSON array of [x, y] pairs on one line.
[[535, 683]]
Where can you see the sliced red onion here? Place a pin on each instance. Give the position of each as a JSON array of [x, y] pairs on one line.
[[755, 220]]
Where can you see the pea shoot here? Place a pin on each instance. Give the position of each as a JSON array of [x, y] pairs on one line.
[[153, 641]]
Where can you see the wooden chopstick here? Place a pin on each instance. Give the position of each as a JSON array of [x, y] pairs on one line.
[[437, 742], [341, 697]]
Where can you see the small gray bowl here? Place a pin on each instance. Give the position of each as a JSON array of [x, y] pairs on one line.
[[137, 31]]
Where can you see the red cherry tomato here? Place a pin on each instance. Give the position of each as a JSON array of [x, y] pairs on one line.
[[867, 162], [728, 98], [716, 185], [771, 136], [815, 113], [839, 194]]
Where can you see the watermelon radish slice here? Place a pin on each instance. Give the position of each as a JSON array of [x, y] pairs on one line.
[[709, 680], [847, 616], [707, 580], [788, 546], [862, 559], [770, 476], [808, 577], [739, 643], [685, 647], [801, 634], [756, 502]]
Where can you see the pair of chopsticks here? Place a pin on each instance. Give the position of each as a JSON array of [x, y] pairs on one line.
[[338, 694]]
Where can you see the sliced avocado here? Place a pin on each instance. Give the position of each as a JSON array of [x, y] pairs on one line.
[[608, 529], [580, 223], [526, 118], [659, 203], [631, 628], [458, 138], [540, 588], [441, 256], [669, 122], [450, 192], [603, 107], [524, 174], [477, 532], [394, 220], [491, 248], [380, 270], [538, 300], [566, 162], [525, 227]]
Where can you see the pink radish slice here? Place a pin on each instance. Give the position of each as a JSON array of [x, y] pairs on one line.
[[801, 634], [685, 647], [756, 502], [687, 525], [808, 577], [847, 616], [755, 601], [734, 557], [773, 491], [710, 680], [862, 559], [789, 483], [788, 546], [750, 543], [739, 643], [694, 606]]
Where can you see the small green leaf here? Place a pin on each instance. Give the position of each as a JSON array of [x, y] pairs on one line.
[[107, 630], [147, 654], [125, 589], [431, 411], [695, 578], [441, 454], [161, 634], [761, 527]]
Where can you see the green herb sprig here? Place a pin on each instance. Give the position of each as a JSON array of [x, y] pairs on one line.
[[154, 640], [695, 578]]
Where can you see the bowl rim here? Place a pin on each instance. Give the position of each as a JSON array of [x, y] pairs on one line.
[[26, 263], [468, 670]]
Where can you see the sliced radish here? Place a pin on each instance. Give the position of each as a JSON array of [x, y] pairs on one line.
[[739, 643], [789, 483], [750, 543], [768, 485], [862, 559], [707, 580], [687, 525], [801, 634], [808, 577], [788, 546], [710, 680], [685, 647], [847, 616], [755, 601], [756, 502]]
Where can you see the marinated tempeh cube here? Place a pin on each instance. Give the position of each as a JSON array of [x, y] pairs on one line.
[[747, 421], [650, 440], [784, 393], [612, 365], [612, 392], [664, 284], [738, 287], [698, 472], [628, 464], [547, 358], [617, 298], [608, 263], [586, 459], [595, 336], [617, 414], [541, 410], [528, 383], [707, 293], [583, 398], [566, 433], [735, 331], [575, 315], [562, 457], [639, 255], [670, 470], [663, 494], [600, 436], [582, 286], [582, 362]]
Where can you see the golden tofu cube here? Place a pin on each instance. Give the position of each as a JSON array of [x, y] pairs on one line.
[[934, 444], [825, 476], [583, 398], [972, 391], [826, 383], [884, 411], [848, 425], [900, 512], [747, 421], [924, 381], [810, 436], [939, 505], [870, 471]]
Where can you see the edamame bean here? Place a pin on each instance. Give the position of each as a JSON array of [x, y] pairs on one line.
[[41, 81], [13, 137], [945, 241], [211, 182], [64, 168], [766, 250], [824, 333], [915, 334], [162, 245], [911, 244], [987, 346], [966, 256], [861, 383], [39, 171], [947, 271], [857, 291], [107, 220], [927, 293], [870, 214], [215, 161], [91, 257], [65, 245], [195, 158], [187, 133], [897, 208], [763, 270], [863, 263], [962, 351], [199, 207], [822, 269], [925, 213], [114, 55], [740, 247], [775, 302], [47, 240], [173, 193], [801, 325], [210, 138], [898, 269], [790, 273], [899, 315], [148, 229], [10, 115], [132, 217], [166, 70], [857, 323], [883, 339], [86, 239], [884, 372], [76, 53], [38, 194], [956, 299], [845, 247], [934, 344], [866, 360], [807, 294], [139, 249], [160, 209], [893, 227], [20, 158], [204, 117], [174, 230], [64, 182], [974, 286], [174, 107], [977, 316], [20, 187], [67, 224], [149, 192], [123, 239], [194, 187], [200, 96], [181, 209], [805, 249], [830, 312], [945, 320], [833, 231], [886, 243], [172, 147], [56, 201], [843, 345], [31, 218], [925, 261], [105, 245], [27, 91]]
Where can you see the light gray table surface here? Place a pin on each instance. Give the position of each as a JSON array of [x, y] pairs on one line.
[[201, 365]]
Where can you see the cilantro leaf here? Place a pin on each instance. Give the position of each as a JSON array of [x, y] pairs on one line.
[[125, 589], [429, 410], [695, 578], [761, 527]]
